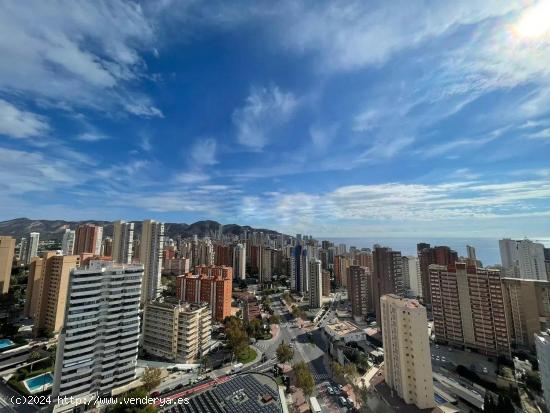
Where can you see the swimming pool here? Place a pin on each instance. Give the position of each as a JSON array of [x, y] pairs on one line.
[[39, 383], [4, 342]]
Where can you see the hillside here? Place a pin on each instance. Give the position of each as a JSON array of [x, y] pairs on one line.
[[53, 229]]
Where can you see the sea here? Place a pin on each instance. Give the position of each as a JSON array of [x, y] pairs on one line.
[[487, 250]]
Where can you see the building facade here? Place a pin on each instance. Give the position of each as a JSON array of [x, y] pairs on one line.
[[123, 242], [179, 332], [523, 259], [239, 261], [542, 344], [412, 280], [468, 308], [31, 249], [47, 287], [527, 304], [387, 277], [407, 359], [427, 255], [151, 247], [88, 239], [212, 285], [67, 243], [315, 292], [7, 250], [98, 345], [359, 284]]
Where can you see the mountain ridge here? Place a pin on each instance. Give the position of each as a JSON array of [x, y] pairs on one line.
[[52, 229]]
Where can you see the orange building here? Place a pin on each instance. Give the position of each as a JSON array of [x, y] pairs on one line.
[[88, 239], [212, 284]]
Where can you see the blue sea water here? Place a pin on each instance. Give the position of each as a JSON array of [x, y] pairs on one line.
[[486, 248]]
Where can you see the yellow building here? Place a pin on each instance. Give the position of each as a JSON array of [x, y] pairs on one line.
[[407, 360], [7, 249], [47, 290], [178, 332], [527, 304]]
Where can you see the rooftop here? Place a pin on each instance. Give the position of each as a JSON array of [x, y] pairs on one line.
[[342, 328]]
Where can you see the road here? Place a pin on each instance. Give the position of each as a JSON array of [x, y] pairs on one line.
[[6, 406]]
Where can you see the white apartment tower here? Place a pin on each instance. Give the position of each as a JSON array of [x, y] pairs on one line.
[[239, 262], [523, 259], [67, 244], [412, 280], [407, 360], [123, 242], [150, 255], [315, 284], [98, 345], [32, 247]]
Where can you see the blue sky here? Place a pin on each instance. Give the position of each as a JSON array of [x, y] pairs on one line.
[[340, 118]]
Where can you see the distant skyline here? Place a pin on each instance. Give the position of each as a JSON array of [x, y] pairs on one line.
[[337, 119]]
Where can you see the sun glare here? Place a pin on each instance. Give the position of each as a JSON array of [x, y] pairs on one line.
[[535, 21]]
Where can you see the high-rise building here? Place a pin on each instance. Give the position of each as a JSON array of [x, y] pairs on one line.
[[315, 284], [179, 332], [176, 266], [299, 269], [412, 280], [88, 239], [7, 250], [32, 247], [341, 268], [223, 255], [107, 247], [98, 345], [326, 283], [407, 360], [365, 259], [212, 285], [527, 304], [152, 245], [471, 253], [47, 287], [123, 242], [266, 273], [468, 308], [359, 284], [67, 243], [239, 261], [440, 255], [387, 277], [523, 259], [542, 341]]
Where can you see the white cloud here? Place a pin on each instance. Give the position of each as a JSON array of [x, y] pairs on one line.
[[192, 177], [203, 151], [91, 137], [264, 110], [543, 134], [17, 123], [352, 34], [84, 56]]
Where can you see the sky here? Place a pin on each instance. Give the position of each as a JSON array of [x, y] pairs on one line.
[[335, 118]]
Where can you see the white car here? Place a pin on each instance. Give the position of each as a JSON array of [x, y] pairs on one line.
[[484, 370]]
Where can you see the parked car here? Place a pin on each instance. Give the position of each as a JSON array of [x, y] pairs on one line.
[[330, 390], [342, 401]]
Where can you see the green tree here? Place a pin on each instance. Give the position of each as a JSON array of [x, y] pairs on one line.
[[304, 379], [284, 353], [275, 319], [151, 378], [236, 335], [138, 407]]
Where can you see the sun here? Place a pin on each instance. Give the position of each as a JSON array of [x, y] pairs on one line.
[[535, 21]]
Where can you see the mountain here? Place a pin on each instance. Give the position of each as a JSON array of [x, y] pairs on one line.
[[53, 229]]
